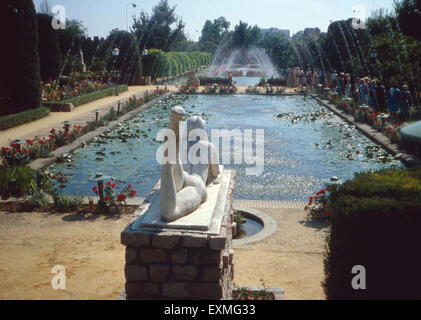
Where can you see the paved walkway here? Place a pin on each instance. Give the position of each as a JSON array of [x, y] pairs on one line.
[[80, 115], [291, 258]]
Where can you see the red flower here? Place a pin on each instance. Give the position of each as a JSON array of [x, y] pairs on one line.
[[311, 201], [326, 213], [321, 192], [130, 186], [132, 193], [101, 187], [22, 192], [121, 197], [106, 198], [95, 189], [113, 185], [109, 183]]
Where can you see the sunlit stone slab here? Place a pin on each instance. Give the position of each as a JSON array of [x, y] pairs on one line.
[[207, 218]]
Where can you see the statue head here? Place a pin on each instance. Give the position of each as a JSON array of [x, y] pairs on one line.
[[178, 113]]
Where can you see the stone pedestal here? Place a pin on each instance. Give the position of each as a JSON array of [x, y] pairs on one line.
[[187, 259]]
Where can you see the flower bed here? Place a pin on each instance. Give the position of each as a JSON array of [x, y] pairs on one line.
[[109, 201], [89, 97], [41, 147], [364, 114], [68, 88], [318, 205]]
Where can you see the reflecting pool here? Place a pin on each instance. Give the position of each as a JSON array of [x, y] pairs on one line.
[[305, 145]]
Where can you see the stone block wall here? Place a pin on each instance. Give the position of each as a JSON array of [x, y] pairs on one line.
[[180, 265]]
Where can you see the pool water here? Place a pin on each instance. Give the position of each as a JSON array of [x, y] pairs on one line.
[[249, 228], [305, 145]]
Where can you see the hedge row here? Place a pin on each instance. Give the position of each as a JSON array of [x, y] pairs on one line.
[[205, 81], [86, 98], [14, 120], [376, 223], [273, 82], [159, 64]]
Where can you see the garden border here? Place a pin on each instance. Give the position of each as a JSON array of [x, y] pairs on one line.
[[379, 138], [59, 106], [88, 137]]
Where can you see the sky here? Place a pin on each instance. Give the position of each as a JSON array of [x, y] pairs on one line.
[[102, 16]]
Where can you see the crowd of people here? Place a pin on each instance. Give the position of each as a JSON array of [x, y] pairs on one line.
[[366, 91]]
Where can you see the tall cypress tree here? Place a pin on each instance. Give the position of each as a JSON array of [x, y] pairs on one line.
[[48, 48], [23, 73]]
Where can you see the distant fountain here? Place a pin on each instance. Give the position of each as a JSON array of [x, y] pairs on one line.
[[240, 60]]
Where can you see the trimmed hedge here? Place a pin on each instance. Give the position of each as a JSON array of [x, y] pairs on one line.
[[86, 98], [48, 48], [273, 82], [22, 76], [376, 223], [159, 64], [14, 120], [210, 81]]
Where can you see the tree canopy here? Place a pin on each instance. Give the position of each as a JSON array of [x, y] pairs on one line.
[[160, 30], [213, 33]]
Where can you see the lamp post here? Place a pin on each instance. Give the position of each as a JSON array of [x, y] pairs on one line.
[[145, 52], [116, 52], [127, 15], [99, 179], [17, 144], [96, 115]]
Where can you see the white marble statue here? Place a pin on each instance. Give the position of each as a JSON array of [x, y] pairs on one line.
[[209, 169], [181, 193]]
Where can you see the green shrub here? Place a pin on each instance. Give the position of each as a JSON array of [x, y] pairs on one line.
[[22, 180], [86, 98], [158, 64], [205, 81], [66, 203], [14, 120], [376, 223]]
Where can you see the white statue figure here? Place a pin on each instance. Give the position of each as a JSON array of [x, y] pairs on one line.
[[209, 168], [82, 61], [181, 193]]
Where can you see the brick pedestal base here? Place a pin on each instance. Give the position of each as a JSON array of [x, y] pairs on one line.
[[178, 264]]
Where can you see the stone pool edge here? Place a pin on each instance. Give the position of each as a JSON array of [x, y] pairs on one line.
[[88, 137], [379, 138], [269, 226]]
